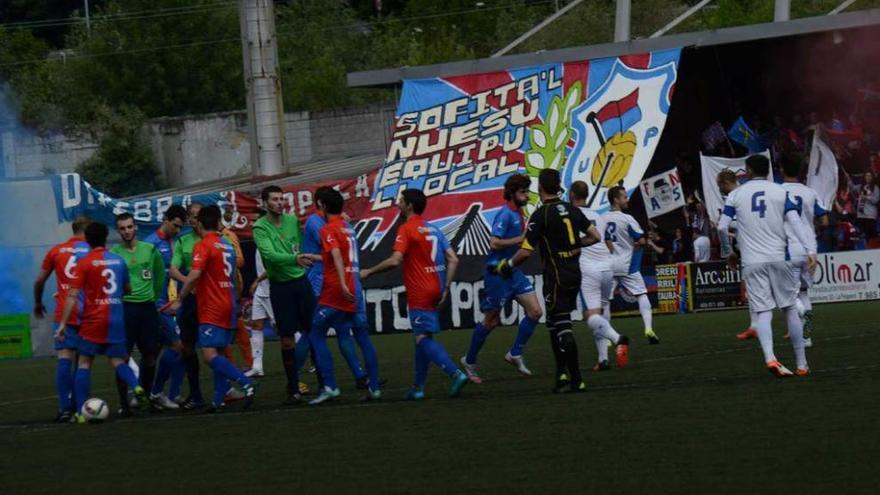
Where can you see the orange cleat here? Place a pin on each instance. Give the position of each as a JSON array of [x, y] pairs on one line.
[[622, 351], [802, 372], [751, 333], [776, 368]]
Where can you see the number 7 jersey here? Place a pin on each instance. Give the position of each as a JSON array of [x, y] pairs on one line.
[[423, 247], [101, 277]]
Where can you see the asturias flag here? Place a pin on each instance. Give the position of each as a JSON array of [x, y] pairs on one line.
[[744, 135]]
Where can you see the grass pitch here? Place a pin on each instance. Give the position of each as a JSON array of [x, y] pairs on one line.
[[696, 414]]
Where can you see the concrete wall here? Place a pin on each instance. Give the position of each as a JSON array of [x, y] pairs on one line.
[[195, 149]]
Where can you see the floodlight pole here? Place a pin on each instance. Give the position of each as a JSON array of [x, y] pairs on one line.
[[528, 34], [840, 8], [678, 20], [782, 10], [622, 20]]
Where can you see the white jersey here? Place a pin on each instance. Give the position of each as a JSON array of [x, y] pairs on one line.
[[596, 257], [810, 208], [759, 207], [702, 249], [263, 286], [623, 231]]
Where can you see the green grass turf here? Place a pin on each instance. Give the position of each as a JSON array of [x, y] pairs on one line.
[[696, 414]]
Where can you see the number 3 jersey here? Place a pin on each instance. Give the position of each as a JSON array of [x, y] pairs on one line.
[[101, 278], [423, 247], [214, 256], [337, 234], [759, 207]]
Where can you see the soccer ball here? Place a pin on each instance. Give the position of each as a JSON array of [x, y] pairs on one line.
[[95, 410]]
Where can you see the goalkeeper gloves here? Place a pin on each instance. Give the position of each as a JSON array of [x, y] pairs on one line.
[[503, 268]]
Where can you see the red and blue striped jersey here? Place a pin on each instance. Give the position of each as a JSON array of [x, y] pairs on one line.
[[423, 247], [214, 256], [62, 260], [338, 234], [101, 277]]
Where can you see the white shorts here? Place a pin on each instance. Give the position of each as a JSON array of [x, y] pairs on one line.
[[801, 272], [633, 283], [262, 309], [595, 287], [770, 285]]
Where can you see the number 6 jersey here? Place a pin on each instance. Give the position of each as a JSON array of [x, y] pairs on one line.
[[101, 278], [214, 256]]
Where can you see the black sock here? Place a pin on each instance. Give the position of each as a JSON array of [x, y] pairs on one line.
[[318, 375], [191, 363], [288, 358], [570, 351], [122, 390], [148, 373], [557, 351]]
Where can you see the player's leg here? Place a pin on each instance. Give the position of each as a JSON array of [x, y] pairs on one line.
[[281, 296], [594, 296], [187, 321], [149, 342], [243, 340], [762, 303], [421, 362], [635, 284], [83, 378], [257, 343], [64, 374], [119, 359], [785, 283], [361, 332], [427, 324], [211, 341], [325, 318], [346, 344], [806, 281], [524, 292], [170, 363], [494, 297]]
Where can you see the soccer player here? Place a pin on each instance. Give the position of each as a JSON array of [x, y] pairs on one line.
[[559, 230], [261, 310], [61, 260], [340, 295], [170, 362], [213, 277], [762, 210], [187, 319], [146, 275], [278, 238], [811, 209], [597, 281], [312, 245], [99, 281], [624, 238], [429, 265], [508, 227]]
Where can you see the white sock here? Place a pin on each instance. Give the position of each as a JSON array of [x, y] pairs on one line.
[[606, 311], [765, 334], [799, 307], [804, 298], [257, 347], [601, 347], [134, 367], [645, 310], [753, 320], [796, 334], [601, 328]]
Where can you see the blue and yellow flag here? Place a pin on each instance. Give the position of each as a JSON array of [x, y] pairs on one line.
[[744, 135]]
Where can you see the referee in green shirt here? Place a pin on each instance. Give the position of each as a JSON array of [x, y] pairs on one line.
[[146, 273], [278, 238]]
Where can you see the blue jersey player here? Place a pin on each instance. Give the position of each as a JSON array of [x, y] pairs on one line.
[[508, 227]]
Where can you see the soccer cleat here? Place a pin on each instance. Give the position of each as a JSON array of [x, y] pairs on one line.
[[519, 363], [459, 380], [601, 366], [143, 400], [232, 395], [132, 401], [362, 383], [805, 371], [327, 394], [249, 393], [79, 419], [254, 372], [293, 400], [415, 393], [808, 342], [777, 369], [372, 395], [562, 382], [575, 388], [750, 333], [163, 402], [124, 412], [470, 370], [622, 351], [304, 389], [653, 339], [64, 417], [191, 404], [215, 409]]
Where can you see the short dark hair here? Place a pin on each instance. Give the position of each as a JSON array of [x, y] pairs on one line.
[[124, 216], [264, 194], [175, 211], [791, 165], [614, 192], [416, 198], [550, 181], [96, 234], [514, 183], [209, 217], [321, 192], [759, 164], [579, 190], [332, 201], [80, 223]]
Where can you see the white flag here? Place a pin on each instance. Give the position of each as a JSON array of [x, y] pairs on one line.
[[822, 174], [711, 166], [662, 193]]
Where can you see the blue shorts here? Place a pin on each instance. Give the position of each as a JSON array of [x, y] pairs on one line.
[[293, 303], [214, 336], [70, 340], [316, 280], [92, 349], [424, 321], [499, 290], [327, 317], [168, 329]]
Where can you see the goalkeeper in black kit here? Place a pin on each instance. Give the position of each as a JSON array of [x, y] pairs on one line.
[[559, 231]]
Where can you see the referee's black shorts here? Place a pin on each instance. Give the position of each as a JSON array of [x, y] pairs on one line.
[[293, 303], [561, 293], [188, 320], [142, 327]]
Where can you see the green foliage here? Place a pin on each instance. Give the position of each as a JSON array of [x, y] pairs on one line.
[[123, 165]]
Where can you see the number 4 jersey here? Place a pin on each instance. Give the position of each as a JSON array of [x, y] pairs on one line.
[[214, 257], [759, 207], [101, 278]]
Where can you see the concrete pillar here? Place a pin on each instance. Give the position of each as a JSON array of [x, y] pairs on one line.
[[782, 11], [622, 20]]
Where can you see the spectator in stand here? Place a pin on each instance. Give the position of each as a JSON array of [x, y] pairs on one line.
[[702, 247], [678, 252], [869, 195], [843, 201]]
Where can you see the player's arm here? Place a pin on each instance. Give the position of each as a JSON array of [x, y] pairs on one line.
[[803, 236], [158, 269], [69, 304], [39, 285], [498, 243], [388, 263], [533, 234], [339, 264], [267, 250], [451, 269], [188, 286]]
